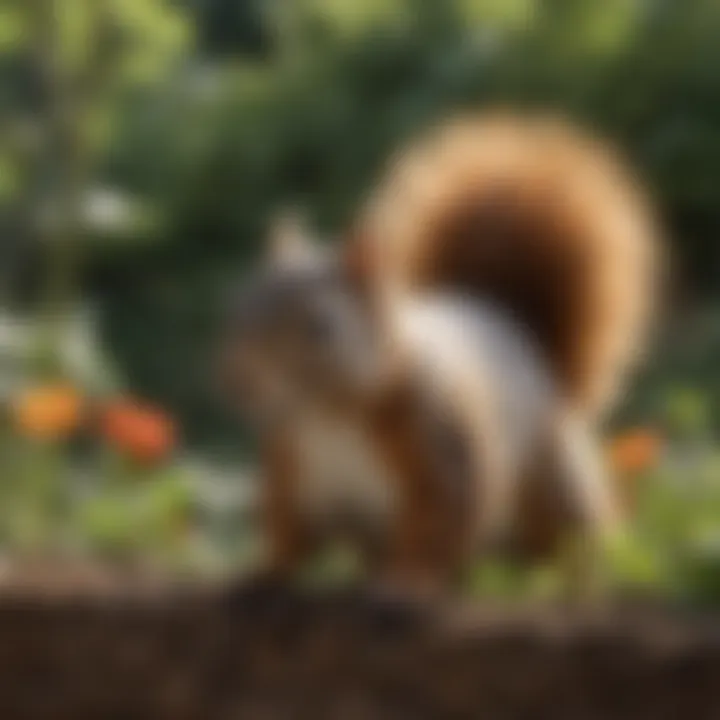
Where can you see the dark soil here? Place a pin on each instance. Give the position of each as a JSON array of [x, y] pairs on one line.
[[98, 650]]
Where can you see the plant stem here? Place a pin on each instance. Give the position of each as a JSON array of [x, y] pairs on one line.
[[66, 160]]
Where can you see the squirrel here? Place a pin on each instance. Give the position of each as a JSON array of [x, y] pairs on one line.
[[433, 384]]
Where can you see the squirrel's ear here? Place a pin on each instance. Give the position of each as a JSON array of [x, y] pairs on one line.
[[289, 242]]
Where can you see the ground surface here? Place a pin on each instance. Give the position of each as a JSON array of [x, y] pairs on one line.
[[94, 649]]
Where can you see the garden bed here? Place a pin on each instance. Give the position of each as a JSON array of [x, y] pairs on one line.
[[85, 648]]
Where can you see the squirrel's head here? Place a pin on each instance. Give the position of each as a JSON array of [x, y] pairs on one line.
[[298, 331]]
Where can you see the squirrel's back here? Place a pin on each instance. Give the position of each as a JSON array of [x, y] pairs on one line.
[[536, 217]]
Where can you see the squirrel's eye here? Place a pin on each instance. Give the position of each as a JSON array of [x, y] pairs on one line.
[[319, 327]]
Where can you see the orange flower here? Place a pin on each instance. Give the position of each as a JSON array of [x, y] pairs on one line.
[[144, 433], [636, 451], [48, 412]]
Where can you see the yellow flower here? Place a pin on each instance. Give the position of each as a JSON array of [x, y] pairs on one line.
[[49, 412]]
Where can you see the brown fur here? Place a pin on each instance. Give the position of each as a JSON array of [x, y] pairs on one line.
[[536, 217], [433, 534], [289, 539]]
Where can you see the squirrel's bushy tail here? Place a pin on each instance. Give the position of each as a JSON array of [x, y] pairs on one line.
[[537, 218]]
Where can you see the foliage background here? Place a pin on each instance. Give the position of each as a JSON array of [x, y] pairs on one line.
[[206, 115], [145, 143]]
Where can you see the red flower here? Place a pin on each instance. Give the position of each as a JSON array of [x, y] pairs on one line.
[[636, 451], [144, 433]]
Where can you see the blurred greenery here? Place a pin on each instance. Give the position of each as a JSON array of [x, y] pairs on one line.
[[201, 117], [145, 143]]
